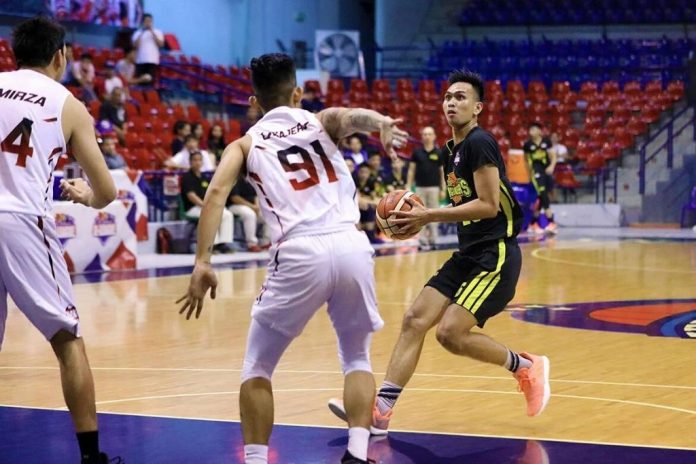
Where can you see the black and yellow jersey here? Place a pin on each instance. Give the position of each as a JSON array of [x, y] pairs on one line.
[[478, 149], [538, 154]]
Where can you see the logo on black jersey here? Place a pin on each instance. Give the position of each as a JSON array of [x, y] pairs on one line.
[[456, 188], [287, 132]]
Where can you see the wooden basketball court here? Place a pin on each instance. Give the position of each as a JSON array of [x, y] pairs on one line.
[[612, 384]]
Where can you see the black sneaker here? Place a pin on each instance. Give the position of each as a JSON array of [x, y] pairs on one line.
[[350, 459], [104, 459]]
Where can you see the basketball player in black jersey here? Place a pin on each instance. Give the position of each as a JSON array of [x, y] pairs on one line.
[[479, 279], [541, 157]]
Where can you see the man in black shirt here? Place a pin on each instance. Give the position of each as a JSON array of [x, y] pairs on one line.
[[426, 169], [541, 157], [480, 278], [245, 204], [193, 188], [112, 110], [367, 187]]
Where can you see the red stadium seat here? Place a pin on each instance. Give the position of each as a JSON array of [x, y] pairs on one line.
[[653, 88], [584, 150], [632, 88], [636, 126], [610, 151], [194, 114], [650, 114], [610, 88], [336, 86], [571, 137], [559, 89], [588, 89], [595, 162], [426, 86], [515, 87], [622, 138], [536, 87], [137, 95], [675, 90], [152, 96], [358, 85], [404, 85], [492, 88]]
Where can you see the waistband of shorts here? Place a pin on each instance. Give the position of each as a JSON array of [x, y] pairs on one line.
[[315, 232]]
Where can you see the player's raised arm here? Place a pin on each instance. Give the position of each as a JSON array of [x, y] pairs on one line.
[[78, 128], [342, 122], [203, 277]]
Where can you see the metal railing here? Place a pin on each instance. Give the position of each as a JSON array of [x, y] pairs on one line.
[[672, 133]]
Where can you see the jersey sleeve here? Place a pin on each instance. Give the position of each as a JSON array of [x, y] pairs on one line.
[[526, 147], [484, 150]]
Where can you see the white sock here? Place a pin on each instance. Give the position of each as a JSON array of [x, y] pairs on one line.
[[358, 438], [255, 454], [387, 395], [514, 362]]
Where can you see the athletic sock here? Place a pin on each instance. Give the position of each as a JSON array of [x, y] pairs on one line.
[[387, 396], [89, 444], [515, 361], [255, 454], [358, 439]]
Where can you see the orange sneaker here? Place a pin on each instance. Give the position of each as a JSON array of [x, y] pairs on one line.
[[380, 422], [534, 383], [551, 228]]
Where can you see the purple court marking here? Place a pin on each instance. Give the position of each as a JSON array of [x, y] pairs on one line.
[[36, 436], [662, 318]]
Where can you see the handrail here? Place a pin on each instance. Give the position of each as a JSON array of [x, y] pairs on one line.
[[672, 133]]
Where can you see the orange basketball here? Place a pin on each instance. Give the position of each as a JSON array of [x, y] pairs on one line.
[[394, 201]]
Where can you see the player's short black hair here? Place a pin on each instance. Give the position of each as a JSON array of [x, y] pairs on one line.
[[470, 77], [273, 78], [36, 40], [195, 153], [374, 153], [535, 124]]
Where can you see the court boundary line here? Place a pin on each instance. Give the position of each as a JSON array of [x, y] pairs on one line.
[[537, 253], [417, 374], [454, 434]]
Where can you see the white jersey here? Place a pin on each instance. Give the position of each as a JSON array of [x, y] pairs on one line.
[[31, 105], [303, 183]]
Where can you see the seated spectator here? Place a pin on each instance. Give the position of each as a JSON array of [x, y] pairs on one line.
[[350, 164], [245, 205], [367, 200], [67, 78], [355, 150], [311, 101], [374, 160], [252, 117], [216, 141], [181, 129], [181, 159], [197, 131], [83, 74], [126, 69], [113, 159], [562, 153], [112, 110], [112, 81], [396, 179], [193, 188]]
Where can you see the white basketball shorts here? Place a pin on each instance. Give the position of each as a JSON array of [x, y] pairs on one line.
[[33, 272], [306, 272]]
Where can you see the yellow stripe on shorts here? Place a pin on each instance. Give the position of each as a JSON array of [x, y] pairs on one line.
[[486, 285]]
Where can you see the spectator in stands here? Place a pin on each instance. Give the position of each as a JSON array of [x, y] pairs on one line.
[[367, 200], [355, 151], [252, 117], [147, 41], [562, 153], [181, 159], [112, 110], [351, 165], [541, 157], [396, 179], [377, 171], [197, 131], [182, 129], [193, 188], [112, 80], [67, 78], [245, 205], [112, 158], [426, 170], [83, 74], [126, 69], [311, 101], [216, 141]]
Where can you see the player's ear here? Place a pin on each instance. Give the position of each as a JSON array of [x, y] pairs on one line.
[[478, 108], [253, 101], [297, 97]]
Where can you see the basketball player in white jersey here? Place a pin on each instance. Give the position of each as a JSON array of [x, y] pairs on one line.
[[38, 119], [308, 199]]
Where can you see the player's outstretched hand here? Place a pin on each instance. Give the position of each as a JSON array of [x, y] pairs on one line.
[[202, 279], [76, 190], [412, 221], [391, 136]]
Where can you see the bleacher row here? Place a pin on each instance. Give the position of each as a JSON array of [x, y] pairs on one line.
[[573, 12], [576, 61]]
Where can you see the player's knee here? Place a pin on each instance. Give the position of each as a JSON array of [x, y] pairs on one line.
[[414, 323], [452, 338]]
